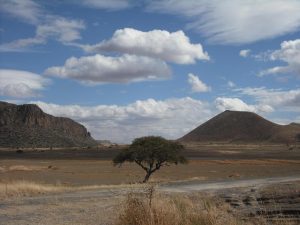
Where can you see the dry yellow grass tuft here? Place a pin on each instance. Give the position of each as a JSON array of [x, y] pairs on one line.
[[19, 188], [24, 168], [181, 209], [173, 210], [26, 188]]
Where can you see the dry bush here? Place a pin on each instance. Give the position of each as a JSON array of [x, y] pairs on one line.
[[173, 210], [179, 209]]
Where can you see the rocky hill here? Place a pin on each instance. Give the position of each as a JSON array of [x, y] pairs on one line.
[[235, 126], [28, 126]]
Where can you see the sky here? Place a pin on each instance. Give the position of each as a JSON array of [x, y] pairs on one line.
[[126, 68]]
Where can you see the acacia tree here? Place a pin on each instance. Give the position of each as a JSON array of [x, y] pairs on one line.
[[151, 153]]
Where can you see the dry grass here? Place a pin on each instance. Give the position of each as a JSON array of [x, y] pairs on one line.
[[26, 188], [21, 188], [173, 210], [24, 168], [151, 209]]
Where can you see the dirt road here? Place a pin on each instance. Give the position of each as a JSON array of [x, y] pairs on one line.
[[215, 186]]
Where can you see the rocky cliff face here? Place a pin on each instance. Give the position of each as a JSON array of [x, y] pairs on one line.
[[28, 126]]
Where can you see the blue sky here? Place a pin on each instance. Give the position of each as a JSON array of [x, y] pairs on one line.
[[126, 68]]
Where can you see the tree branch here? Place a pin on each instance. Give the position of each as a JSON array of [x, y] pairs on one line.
[[141, 165]]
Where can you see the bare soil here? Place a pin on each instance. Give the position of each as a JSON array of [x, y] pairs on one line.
[[209, 164], [103, 206], [102, 172]]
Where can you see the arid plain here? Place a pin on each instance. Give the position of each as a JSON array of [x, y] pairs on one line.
[[82, 186], [209, 162]]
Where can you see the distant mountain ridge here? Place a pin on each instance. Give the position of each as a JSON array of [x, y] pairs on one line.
[[28, 126], [237, 126]]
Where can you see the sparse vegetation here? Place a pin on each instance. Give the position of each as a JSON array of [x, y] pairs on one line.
[[151, 153], [99, 189], [182, 209], [26, 188], [146, 206], [22, 188], [173, 210]]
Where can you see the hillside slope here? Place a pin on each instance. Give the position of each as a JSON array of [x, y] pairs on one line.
[[235, 126], [28, 126]]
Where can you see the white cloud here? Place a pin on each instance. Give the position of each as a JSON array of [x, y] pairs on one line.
[[245, 53], [281, 100], [236, 104], [109, 5], [21, 44], [288, 53], [170, 118], [172, 47], [26, 10], [57, 28], [48, 26], [99, 69], [231, 84], [62, 29], [235, 21], [21, 84], [196, 84]]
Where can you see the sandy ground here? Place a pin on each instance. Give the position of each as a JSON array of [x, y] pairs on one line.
[[99, 172], [102, 206], [210, 167]]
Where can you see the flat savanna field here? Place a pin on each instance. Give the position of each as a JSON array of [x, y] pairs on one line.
[[211, 162], [221, 184]]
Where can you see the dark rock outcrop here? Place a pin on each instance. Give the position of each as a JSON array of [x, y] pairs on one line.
[[28, 126], [277, 203], [247, 127]]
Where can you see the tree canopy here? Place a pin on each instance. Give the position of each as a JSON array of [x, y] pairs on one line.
[[151, 153]]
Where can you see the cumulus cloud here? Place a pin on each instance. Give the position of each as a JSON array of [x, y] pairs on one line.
[[99, 69], [168, 46], [21, 84], [283, 100], [170, 118], [235, 21], [48, 26], [196, 84], [289, 53], [245, 53], [167, 118], [236, 104], [109, 5], [264, 100]]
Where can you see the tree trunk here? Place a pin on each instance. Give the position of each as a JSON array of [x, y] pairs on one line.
[[147, 176]]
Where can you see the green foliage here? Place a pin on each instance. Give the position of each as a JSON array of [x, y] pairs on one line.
[[151, 153]]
